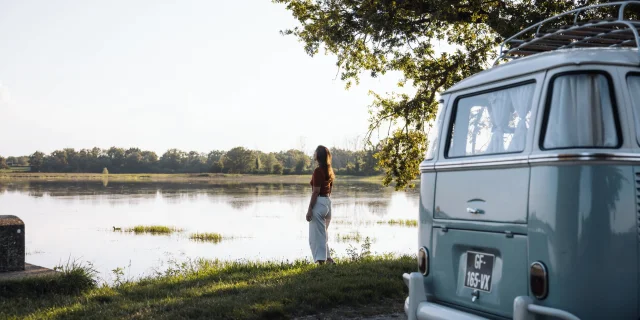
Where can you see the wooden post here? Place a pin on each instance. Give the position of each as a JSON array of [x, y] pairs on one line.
[[11, 244]]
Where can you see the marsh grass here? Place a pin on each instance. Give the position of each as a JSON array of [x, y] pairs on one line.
[[231, 290], [71, 278], [400, 222], [349, 237], [158, 230], [353, 223], [207, 237]]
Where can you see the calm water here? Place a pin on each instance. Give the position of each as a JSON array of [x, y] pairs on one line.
[[264, 221]]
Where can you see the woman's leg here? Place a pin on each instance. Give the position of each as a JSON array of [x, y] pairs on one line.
[[327, 220], [318, 233]]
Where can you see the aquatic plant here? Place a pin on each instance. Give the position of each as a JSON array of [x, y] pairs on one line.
[[153, 229], [354, 236], [206, 237], [400, 222]]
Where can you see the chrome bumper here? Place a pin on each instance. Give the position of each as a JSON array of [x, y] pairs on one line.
[[417, 306]]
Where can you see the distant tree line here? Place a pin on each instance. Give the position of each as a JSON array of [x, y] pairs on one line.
[[236, 160]]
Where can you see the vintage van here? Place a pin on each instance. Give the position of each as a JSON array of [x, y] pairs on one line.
[[530, 190]]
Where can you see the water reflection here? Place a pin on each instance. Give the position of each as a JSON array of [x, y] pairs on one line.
[[260, 220]]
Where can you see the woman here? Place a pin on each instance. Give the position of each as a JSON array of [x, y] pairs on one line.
[[319, 213]]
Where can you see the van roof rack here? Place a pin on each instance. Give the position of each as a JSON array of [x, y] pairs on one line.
[[615, 32]]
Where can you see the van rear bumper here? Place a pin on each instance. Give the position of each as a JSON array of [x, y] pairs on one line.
[[417, 306]]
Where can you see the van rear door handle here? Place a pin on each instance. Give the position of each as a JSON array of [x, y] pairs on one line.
[[475, 211]]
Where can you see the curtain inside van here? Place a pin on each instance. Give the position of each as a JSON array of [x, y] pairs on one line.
[[492, 123], [580, 113]]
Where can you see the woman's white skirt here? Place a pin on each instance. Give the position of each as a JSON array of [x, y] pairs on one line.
[[318, 236]]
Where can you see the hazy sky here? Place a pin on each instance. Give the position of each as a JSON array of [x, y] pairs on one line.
[[193, 75]]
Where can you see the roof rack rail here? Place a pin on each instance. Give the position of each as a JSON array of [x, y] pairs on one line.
[[611, 32]]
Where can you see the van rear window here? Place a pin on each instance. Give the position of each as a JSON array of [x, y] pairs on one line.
[[580, 113], [633, 81], [492, 123], [434, 130]]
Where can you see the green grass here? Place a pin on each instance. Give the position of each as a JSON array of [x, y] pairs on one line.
[[153, 229], [232, 290], [71, 279], [402, 223], [206, 237]]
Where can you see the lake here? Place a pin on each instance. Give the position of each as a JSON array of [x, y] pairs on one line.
[[259, 221]]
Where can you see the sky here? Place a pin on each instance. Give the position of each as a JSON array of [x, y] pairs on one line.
[[192, 75]]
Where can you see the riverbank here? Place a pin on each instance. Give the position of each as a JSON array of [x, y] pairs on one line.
[[226, 290], [175, 177]]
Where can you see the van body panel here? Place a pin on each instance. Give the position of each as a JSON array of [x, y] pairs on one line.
[[509, 276], [496, 195], [583, 227], [427, 191]]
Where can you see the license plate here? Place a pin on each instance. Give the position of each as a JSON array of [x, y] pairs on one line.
[[479, 271]]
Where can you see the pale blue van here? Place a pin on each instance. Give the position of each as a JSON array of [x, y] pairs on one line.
[[530, 190]]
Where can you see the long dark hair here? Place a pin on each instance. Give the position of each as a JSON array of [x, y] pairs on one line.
[[323, 156]]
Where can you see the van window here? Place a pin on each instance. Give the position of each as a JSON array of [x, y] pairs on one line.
[[580, 113], [492, 123], [434, 133], [633, 81]]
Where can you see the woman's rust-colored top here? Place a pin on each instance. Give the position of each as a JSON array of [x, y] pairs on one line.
[[319, 179]]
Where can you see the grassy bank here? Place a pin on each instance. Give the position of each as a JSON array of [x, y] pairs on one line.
[[180, 177], [236, 290]]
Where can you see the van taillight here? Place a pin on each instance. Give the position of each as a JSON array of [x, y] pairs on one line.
[[539, 280], [423, 261]]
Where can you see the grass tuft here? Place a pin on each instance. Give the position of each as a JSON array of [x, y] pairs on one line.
[[153, 229], [206, 237], [402, 223], [72, 278]]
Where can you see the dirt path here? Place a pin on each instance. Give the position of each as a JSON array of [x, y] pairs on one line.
[[389, 316], [391, 310]]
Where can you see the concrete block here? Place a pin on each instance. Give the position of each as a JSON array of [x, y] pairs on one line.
[[12, 244]]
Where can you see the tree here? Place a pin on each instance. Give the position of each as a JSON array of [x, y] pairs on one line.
[[11, 161], [23, 160], [173, 160], [133, 161], [379, 36], [3, 163], [57, 161], [36, 161], [117, 159], [269, 162], [238, 160], [196, 162], [293, 161], [302, 164], [277, 168], [258, 164]]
